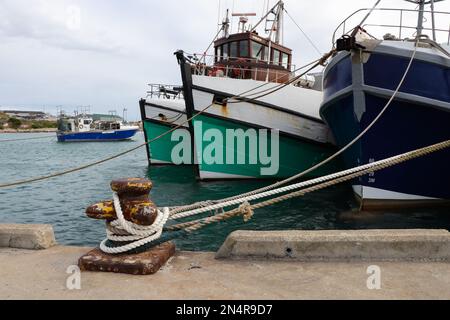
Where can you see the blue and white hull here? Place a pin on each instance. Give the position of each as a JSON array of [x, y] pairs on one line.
[[92, 136], [358, 86]]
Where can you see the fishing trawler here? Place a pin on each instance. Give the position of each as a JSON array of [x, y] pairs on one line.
[[163, 109], [83, 127], [247, 63], [364, 76]]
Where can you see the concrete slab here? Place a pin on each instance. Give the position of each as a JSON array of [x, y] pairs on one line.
[[336, 245], [26, 274], [29, 236]]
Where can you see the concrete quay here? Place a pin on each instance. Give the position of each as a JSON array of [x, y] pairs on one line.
[[249, 274]]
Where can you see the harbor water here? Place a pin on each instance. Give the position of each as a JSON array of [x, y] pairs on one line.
[[62, 201]]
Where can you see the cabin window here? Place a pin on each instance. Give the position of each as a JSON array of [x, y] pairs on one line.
[[234, 49], [276, 57], [86, 122], [243, 48], [257, 51], [225, 51], [285, 60]]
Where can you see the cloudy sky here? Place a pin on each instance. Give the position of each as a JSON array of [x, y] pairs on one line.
[[103, 53]]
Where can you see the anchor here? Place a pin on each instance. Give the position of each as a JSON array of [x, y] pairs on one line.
[[130, 207]]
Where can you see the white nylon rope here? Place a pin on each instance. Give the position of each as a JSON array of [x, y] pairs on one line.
[[287, 188], [123, 230]]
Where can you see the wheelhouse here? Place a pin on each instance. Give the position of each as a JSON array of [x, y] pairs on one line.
[[249, 56]]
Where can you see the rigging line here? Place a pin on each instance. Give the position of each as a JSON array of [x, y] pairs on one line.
[[278, 78], [303, 32], [273, 90], [283, 84]]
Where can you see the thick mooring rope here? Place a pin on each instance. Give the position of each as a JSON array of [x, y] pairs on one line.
[[247, 210], [121, 230]]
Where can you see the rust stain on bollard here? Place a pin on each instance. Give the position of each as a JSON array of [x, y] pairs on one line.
[[136, 204], [138, 208]]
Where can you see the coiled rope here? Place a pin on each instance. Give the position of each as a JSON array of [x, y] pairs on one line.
[[121, 230]]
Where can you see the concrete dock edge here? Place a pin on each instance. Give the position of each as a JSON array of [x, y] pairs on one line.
[[30, 236], [334, 245]]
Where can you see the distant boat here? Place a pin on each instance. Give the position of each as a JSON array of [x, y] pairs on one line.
[[83, 128], [361, 79], [162, 109]]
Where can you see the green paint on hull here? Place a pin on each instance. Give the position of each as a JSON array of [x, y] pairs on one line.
[[160, 150], [295, 155]]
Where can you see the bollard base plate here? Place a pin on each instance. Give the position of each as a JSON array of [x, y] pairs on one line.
[[144, 263]]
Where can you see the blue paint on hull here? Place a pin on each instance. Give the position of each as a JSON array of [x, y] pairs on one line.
[[406, 125], [92, 136]]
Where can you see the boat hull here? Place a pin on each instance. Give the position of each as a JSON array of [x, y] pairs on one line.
[[97, 136], [158, 117], [356, 92], [294, 154], [304, 139]]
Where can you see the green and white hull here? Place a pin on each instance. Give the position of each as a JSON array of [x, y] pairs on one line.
[[295, 155], [303, 138], [158, 117]]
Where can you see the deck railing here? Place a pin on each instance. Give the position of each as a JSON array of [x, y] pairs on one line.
[[403, 20], [165, 91], [239, 68]]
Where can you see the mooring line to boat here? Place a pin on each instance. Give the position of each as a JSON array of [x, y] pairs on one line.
[[121, 230], [25, 139], [320, 164], [246, 209], [323, 179], [92, 164], [58, 174]]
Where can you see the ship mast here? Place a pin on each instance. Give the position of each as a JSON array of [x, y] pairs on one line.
[[277, 26]]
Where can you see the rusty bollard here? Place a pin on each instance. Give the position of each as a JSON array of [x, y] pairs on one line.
[[139, 209]]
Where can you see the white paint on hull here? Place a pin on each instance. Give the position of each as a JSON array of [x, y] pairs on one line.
[[258, 115], [175, 112], [370, 193]]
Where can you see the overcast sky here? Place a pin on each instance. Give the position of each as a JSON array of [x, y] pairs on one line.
[[103, 53]]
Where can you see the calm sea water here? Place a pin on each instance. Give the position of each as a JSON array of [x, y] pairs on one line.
[[61, 201]]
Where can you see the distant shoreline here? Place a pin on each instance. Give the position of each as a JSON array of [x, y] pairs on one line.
[[48, 130]]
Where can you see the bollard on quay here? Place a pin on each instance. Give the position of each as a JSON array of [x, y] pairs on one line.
[[139, 209]]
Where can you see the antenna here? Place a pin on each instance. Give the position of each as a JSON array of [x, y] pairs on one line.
[[226, 25], [243, 19]]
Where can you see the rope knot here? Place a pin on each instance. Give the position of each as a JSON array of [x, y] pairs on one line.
[[121, 230], [246, 210]]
